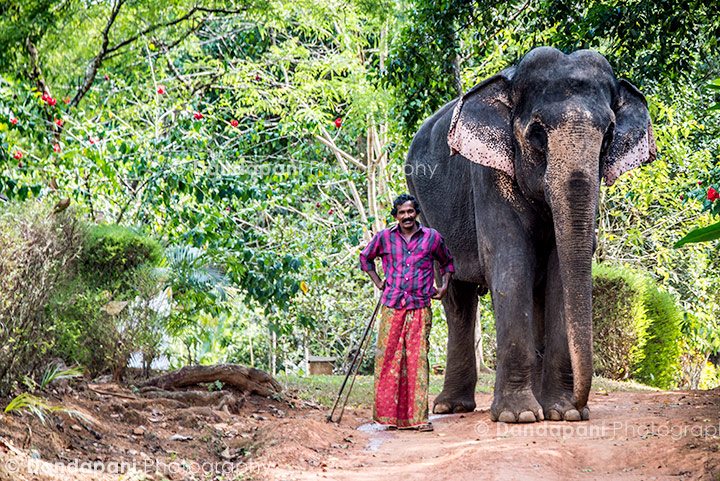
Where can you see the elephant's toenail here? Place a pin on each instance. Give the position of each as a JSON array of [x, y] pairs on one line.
[[506, 417], [572, 415], [441, 408], [585, 414], [527, 417], [554, 415], [541, 415]]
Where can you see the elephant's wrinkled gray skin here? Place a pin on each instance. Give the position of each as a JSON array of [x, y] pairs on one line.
[[515, 200]]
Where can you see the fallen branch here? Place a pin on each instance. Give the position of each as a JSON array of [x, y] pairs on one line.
[[216, 399], [242, 378], [108, 393]]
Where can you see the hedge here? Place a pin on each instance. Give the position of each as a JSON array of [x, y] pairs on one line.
[[636, 327]]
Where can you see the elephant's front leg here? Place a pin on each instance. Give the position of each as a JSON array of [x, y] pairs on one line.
[[557, 376], [513, 302], [458, 394]]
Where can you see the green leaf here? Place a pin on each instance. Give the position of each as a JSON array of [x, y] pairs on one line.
[[703, 234]]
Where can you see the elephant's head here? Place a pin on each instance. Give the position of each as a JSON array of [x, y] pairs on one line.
[[557, 124]]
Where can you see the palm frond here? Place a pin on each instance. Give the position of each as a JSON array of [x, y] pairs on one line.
[[37, 406], [55, 372]]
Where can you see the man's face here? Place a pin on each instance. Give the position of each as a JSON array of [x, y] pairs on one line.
[[406, 214]]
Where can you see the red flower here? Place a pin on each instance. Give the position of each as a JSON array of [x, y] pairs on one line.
[[66, 100], [682, 196], [14, 121], [330, 212], [59, 122], [161, 90], [338, 122], [107, 77], [45, 97], [257, 77], [234, 123], [51, 101], [699, 182], [17, 155], [712, 194], [56, 148], [317, 205], [93, 140], [197, 116]]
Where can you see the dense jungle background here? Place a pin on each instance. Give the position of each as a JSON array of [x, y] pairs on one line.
[[191, 181]]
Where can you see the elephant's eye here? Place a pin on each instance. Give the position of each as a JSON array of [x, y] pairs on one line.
[[537, 137], [607, 139]]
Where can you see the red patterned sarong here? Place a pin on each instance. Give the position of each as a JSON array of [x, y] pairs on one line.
[[401, 367]]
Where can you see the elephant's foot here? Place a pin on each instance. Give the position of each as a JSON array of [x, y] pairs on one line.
[[449, 404], [561, 408], [516, 407]]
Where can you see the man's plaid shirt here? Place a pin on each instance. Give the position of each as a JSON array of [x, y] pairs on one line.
[[408, 266]]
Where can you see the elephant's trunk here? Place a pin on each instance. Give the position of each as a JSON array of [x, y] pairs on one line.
[[572, 181]]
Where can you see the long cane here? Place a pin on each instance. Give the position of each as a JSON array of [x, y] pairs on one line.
[[353, 368]]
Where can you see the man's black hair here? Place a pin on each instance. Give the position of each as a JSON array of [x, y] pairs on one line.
[[400, 200]]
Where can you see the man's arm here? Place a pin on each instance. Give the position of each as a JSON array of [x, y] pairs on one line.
[[379, 283], [442, 290], [367, 260], [442, 255]]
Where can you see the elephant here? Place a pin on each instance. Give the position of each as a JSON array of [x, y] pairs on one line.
[[509, 174]]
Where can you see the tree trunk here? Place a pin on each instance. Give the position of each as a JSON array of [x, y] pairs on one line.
[[273, 354], [481, 367]]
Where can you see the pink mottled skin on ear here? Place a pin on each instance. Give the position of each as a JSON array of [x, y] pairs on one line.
[[480, 144]]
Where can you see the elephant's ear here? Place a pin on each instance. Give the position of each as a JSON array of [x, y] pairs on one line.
[[633, 142], [480, 129]]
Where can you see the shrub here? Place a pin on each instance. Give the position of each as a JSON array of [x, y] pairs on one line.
[[660, 367], [37, 252], [636, 328], [110, 251], [620, 324], [104, 314]]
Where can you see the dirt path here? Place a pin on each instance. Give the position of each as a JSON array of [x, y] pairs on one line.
[[632, 436]]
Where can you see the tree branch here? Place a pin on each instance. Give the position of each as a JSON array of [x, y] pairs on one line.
[[327, 140], [92, 68], [35, 72]]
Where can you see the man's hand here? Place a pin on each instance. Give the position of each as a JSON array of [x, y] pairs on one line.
[[440, 292], [380, 284]]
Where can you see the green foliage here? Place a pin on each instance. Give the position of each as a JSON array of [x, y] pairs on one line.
[[104, 312], [112, 250], [636, 327], [660, 366], [37, 252], [620, 323], [27, 402], [56, 372], [704, 234]]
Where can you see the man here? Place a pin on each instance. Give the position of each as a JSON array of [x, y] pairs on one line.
[[407, 251]]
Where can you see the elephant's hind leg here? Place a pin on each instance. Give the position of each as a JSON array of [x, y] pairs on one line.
[[458, 394]]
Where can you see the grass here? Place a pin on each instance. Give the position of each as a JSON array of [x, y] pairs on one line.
[[323, 389]]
